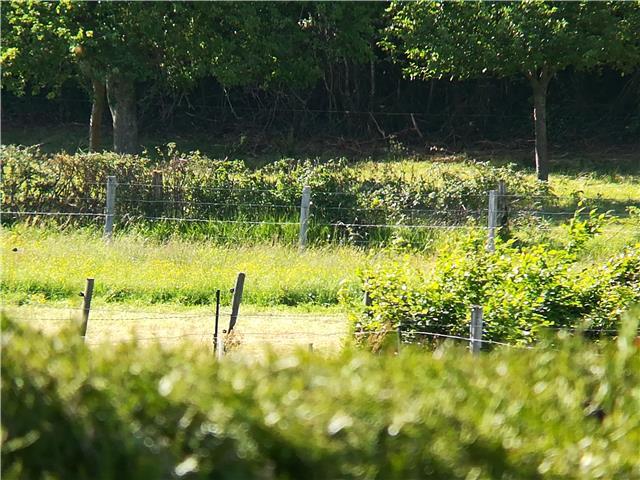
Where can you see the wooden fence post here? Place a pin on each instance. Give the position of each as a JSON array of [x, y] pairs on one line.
[[111, 206], [237, 298], [305, 203], [492, 220], [475, 333], [220, 347], [217, 321], [86, 306]]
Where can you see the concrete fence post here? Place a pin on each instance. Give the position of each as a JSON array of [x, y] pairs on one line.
[[475, 333], [305, 203], [110, 209], [492, 220]]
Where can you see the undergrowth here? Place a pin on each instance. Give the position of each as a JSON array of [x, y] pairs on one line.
[[226, 201], [526, 289]]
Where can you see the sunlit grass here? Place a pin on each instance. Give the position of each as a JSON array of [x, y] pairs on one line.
[[614, 187], [53, 266], [173, 325]]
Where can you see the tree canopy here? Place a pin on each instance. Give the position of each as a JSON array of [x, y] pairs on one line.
[[531, 38], [128, 51], [175, 44]]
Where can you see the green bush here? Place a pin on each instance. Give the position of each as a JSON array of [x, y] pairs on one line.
[[344, 198], [525, 290], [128, 412]]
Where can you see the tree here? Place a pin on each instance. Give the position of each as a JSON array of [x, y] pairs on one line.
[[117, 45], [532, 38], [112, 45]]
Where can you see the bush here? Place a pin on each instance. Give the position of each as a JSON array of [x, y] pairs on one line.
[[128, 412], [525, 290], [196, 187]]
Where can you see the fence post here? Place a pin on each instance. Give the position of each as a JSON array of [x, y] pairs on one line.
[[237, 298], [111, 206], [503, 209], [86, 306], [217, 321], [475, 333], [492, 220], [157, 192], [220, 346], [304, 215], [367, 299], [503, 213]]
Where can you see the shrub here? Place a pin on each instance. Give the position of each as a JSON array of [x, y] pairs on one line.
[[196, 187], [128, 412], [525, 290]]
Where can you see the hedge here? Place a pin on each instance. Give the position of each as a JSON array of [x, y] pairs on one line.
[[131, 412]]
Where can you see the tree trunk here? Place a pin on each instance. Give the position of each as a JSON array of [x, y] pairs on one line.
[[539, 83], [122, 103], [97, 112]]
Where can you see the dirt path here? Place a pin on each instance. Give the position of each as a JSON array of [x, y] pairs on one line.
[[255, 329]]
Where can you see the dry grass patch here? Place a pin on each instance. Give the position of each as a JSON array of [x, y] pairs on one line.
[[256, 330]]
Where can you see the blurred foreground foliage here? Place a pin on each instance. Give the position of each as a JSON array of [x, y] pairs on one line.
[[572, 411]]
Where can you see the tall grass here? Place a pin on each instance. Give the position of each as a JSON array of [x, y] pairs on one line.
[[52, 266]]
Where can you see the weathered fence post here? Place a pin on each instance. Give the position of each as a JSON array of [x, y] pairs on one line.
[[157, 184], [492, 220], [311, 347], [304, 215], [367, 299], [220, 346], [475, 334], [237, 298], [503, 210], [217, 322], [86, 306], [111, 206]]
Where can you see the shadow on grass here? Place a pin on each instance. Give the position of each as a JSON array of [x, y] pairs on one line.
[[604, 163]]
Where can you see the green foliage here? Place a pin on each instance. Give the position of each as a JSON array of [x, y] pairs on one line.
[[470, 39], [227, 190], [525, 291], [176, 43], [130, 412], [582, 229]]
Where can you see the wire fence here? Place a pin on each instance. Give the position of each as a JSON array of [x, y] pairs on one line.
[[328, 216], [109, 327]]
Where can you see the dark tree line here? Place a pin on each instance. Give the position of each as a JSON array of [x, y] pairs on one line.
[[453, 72]]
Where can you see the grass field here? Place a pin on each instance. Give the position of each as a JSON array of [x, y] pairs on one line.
[[291, 297]]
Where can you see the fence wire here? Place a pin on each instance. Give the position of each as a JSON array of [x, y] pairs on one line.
[[288, 337]]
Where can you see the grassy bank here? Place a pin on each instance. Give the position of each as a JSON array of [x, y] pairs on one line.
[[52, 266]]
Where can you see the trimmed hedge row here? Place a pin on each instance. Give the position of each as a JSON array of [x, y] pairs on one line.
[[127, 412]]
